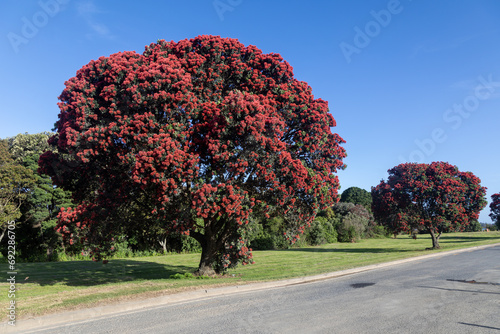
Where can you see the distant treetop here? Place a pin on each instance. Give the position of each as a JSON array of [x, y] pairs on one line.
[[357, 196]]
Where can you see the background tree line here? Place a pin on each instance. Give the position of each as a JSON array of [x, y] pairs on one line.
[[29, 197], [37, 200]]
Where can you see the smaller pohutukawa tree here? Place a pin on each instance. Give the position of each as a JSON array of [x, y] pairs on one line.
[[495, 209], [434, 197]]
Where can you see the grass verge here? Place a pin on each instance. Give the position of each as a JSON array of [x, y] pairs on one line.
[[43, 288]]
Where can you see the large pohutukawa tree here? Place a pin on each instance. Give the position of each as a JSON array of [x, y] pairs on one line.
[[192, 136], [434, 197]]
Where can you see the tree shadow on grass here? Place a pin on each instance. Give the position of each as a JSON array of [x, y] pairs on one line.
[[88, 273], [462, 239], [350, 250]]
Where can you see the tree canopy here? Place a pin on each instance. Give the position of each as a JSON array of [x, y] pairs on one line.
[[434, 197], [25, 145], [16, 182], [192, 136], [357, 196]]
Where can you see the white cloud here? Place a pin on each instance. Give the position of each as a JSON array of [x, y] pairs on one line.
[[438, 45], [489, 82], [88, 11]]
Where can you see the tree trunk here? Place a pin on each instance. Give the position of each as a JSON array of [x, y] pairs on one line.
[[208, 254], [3, 233], [208, 251], [435, 239], [50, 252], [163, 244], [212, 241]]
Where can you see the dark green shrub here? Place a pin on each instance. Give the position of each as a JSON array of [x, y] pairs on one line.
[[377, 231], [182, 276], [268, 234], [203, 277], [353, 227], [320, 232], [263, 243], [189, 245], [354, 222], [474, 226]]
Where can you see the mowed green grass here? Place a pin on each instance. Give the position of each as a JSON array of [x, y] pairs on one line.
[[43, 288]]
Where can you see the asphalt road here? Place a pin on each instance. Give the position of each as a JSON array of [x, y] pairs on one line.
[[457, 293]]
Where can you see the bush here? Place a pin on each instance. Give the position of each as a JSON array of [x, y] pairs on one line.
[[263, 243], [354, 222], [320, 232], [474, 226], [351, 228], [342, 209], [377, 231], [203, 277], [181, 276], [268, 234], [259, 238], [35, 244], [189, 245]]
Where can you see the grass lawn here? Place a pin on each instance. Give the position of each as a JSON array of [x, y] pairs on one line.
[[49, 287]]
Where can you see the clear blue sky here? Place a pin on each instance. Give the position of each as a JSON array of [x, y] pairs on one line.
[[406, 80]]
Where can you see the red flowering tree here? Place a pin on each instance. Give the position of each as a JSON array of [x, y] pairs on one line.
[[434, 197], [192, 136], [495, 209]]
